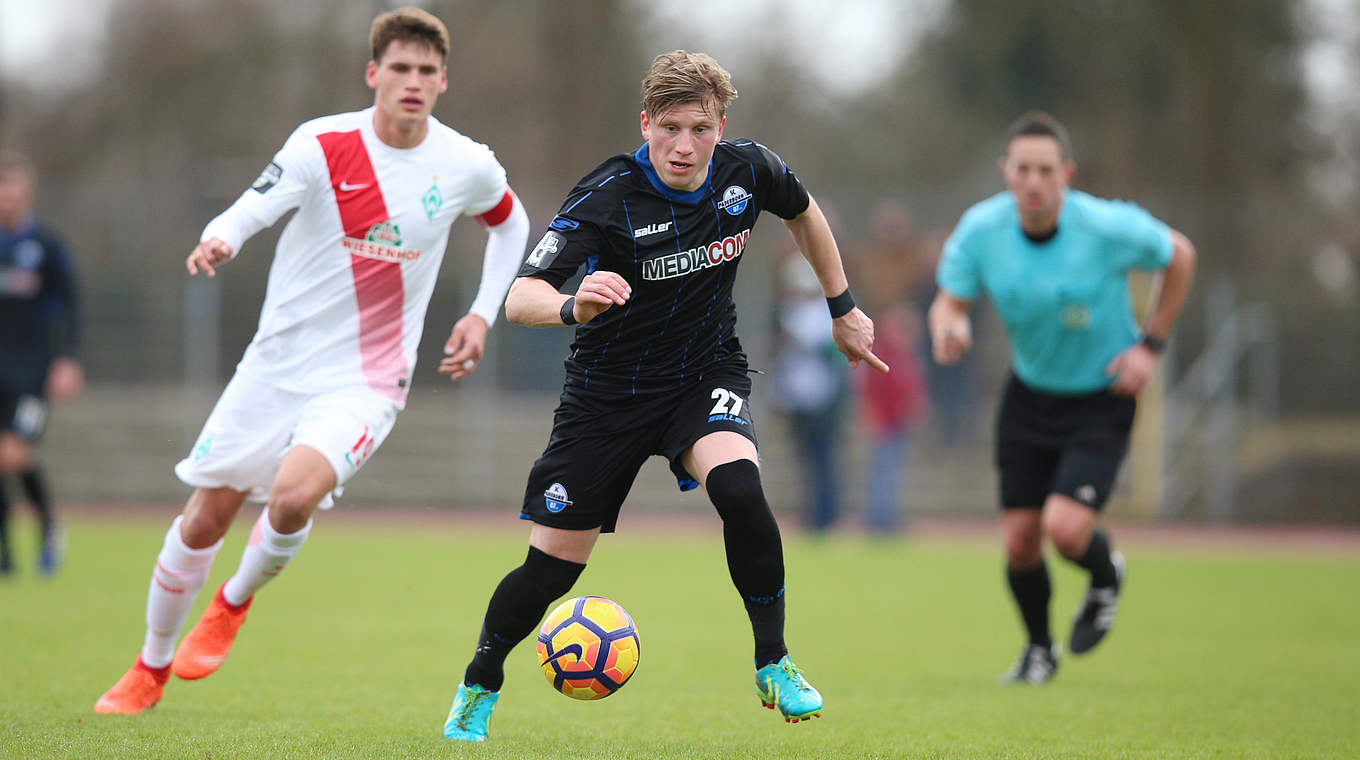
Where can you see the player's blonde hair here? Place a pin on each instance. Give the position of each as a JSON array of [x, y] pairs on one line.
[[679, 77], [408, 25]]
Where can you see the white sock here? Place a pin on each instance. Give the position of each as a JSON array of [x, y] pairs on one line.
[[179, 573], [265, 557]]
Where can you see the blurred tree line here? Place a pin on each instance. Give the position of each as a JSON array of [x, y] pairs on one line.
[[1195, 110]]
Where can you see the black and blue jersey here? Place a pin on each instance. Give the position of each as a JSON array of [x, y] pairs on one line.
[[38, 315], [678, 250]]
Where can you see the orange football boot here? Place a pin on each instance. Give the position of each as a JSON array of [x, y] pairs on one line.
[[139, 689], [205, 648]]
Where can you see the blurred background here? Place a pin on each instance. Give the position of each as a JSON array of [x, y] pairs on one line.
[[1235, 121]]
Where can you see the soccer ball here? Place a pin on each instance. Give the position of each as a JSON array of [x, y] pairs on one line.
[[588, 647]]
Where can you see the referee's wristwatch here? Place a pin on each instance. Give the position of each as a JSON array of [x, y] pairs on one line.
[[1154, 344]]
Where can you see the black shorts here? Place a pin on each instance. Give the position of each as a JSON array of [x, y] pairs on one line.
[[23, 414], [1070, 445], [598, 445]]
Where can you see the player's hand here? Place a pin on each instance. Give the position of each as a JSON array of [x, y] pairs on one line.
[[950, 339], [463, 350], [1132, 369], [598, 292], [207, 254], [854, 336], [65, 378]]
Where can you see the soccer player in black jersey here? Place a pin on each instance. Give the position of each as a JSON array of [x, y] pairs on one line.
[[37, 295], [656, 366]]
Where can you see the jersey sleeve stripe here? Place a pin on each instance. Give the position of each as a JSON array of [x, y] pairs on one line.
[[500, 212]]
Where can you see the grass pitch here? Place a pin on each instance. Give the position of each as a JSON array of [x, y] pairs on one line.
[[356, 650]]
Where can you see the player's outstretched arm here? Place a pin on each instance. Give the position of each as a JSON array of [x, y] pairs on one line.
[[534, 302], [206, 255], [951, 331], [853, 332], [507, 228]]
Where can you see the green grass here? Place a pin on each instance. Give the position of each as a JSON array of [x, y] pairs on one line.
[[356, 651]]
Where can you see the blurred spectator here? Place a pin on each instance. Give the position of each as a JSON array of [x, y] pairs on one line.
[[811, 382], [37, 360], [891, 405]]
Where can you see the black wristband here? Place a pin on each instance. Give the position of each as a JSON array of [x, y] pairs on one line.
[[567, 312], [1155, 345], [841, 305]]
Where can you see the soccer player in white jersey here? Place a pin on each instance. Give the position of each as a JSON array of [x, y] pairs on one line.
[[329, 367]]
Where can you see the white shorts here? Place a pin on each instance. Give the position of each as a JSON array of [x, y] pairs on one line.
[[254, 424]]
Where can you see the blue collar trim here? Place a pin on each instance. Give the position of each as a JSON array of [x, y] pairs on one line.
[[644, 161]]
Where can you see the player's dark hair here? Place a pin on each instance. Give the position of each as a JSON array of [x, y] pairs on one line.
[[1040, 124], [408, 25], [680, 77]]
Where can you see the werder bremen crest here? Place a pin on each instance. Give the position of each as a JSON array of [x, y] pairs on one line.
[[432, 200], [387, 233]]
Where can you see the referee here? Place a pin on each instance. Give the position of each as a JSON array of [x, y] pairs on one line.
[[656, 366], [1054, 262]]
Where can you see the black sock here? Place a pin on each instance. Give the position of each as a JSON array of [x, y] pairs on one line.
[[516, 607], [1097, 561], [4, 525], [36, 491], [755, 553], [1031, 589]]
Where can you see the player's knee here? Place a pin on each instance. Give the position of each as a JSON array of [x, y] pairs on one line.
[[1023, 550], [202, 528], [14, 456], [735, 490], [290, 509], [1069, 537]]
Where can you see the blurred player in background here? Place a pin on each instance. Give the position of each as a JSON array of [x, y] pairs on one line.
[[39, 331], [1054, 261], [656, 367], [321, 383]]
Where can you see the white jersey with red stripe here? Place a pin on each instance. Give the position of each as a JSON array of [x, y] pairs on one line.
[[355, 267]]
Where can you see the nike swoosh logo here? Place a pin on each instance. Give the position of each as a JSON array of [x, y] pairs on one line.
[[346, 187], [573, 649]]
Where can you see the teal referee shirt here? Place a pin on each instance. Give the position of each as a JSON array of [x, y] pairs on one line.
[[1065, 301]]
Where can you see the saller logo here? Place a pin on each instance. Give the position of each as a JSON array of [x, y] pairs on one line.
[[651, 229], [695, 259]]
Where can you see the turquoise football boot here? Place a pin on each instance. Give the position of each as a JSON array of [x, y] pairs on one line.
[[470, 714], [782, 684]]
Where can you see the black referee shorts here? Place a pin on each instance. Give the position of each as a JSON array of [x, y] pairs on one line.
[[1071, 445], [598, 445]]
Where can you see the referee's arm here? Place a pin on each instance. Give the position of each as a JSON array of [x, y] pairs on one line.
[[951, 331]]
